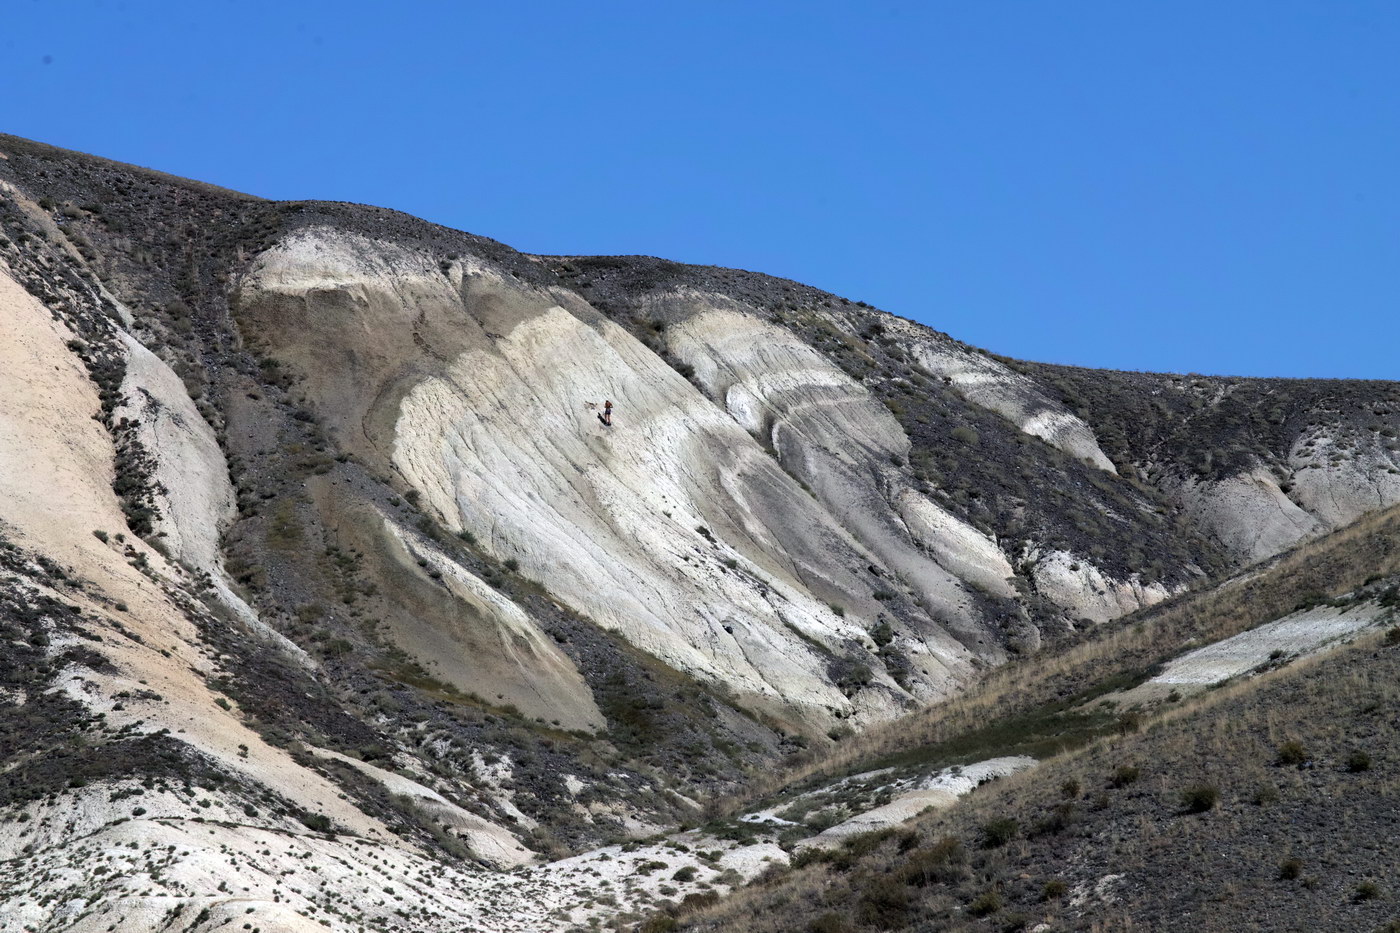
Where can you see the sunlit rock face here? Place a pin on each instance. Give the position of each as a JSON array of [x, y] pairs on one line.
[[673, 526]]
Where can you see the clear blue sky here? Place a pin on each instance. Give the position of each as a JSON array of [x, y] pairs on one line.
[[1195, 186]]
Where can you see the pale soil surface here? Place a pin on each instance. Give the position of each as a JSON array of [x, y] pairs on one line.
[[94, 864], [914, 796], [1275, 643]]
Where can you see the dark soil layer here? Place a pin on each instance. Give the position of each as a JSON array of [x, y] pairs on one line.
[[1267, 805]]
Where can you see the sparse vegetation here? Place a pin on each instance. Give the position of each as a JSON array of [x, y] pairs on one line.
[[318, 574], [1200, 798], [998, 832], [1124, 775]]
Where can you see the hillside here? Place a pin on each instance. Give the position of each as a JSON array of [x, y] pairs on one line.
[[1259, 795], [318, 559]]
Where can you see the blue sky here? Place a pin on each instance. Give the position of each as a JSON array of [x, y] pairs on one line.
[[1186, 186]]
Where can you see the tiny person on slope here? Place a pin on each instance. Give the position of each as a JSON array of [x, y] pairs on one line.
[[605, 415]]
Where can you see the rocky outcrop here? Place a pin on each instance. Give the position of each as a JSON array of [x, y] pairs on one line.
[[319, 568], [1340, 475], [1248, 514], [672, 526], [56, 482], [1016, 397], [829, 432], [1076, 584]]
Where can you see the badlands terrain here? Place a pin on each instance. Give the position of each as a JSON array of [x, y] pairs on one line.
[[329, 601]]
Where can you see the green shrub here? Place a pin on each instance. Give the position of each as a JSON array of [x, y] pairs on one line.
[[862, 844], [1358, 761], [1125, 775], [1290, 869], [1200, 798], [699, 900], [884, 904], [1367, 891], [684, 873], [985, 904], [1060, 817], [882, 634], [940, 863], [809, 856], [998, 832], [318, 822], [830, 922], [966, 435], [1292, 752], [337, 647], [1053, 890], [1071, 789]]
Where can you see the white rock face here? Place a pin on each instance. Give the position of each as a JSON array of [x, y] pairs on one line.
[[195, 499], [127, 874], [532, 673], [86, 860], [583, 507], [955, 545], [55, 483], [495, 844], [830, 432], [1340, 479], [475, 387], [1086, 591], [55, 460], [1332, 480], [1249, 514], [912, 797], [1301, 634], [985, 382]]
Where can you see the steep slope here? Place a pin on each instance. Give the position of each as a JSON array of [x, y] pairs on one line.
[[1171, 784], [1213, 472], [1266, 805], [316, 554], [1258, 464], [672, 526]]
